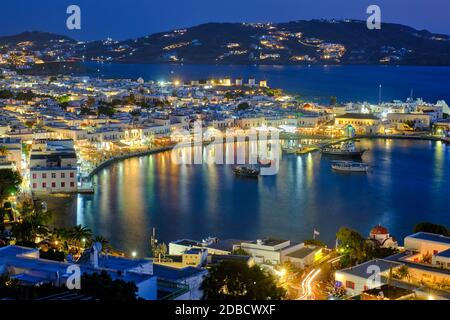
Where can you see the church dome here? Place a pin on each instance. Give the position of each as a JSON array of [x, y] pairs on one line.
[[379, 230]]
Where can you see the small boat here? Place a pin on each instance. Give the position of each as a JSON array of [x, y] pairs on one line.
[[349, 166], [264, 163], [289, 149], [345, 150], [244, 171]]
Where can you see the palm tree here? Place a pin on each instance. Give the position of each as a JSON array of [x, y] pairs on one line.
[[103, 241], [78, 233], [3, 151]]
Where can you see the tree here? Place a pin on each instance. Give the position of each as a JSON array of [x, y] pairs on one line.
[[106, 110], [355, 249], [103, 241], [3, 151], [427, 258], [25, 96], [10, 181], [432, 228], [102, 287], [242, 106], [235, 280], [160, 251], [6, 94], [63, 99], [240, 252], [78, 233], [34, 220], [315, 242], [402, 273]]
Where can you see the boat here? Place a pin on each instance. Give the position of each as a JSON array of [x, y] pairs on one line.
[[264, 162], [347, 149], [244, 171], [349, 166]]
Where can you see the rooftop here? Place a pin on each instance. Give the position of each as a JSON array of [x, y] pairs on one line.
[[445, 254], [389, 292], [175, 274], [361, 269], [301, 253], [430, 237], [357, 116]]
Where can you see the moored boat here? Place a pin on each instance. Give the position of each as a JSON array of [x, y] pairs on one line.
[[349, 166], [345, 150], [244, 171]]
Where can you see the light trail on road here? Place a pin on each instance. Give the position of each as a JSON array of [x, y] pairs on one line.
[[306, 284]]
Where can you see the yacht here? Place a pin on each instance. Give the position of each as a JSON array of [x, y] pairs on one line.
[[349, 166], [347, 149], [246, 171]]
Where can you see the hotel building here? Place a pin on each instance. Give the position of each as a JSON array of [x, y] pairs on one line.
[[53, 167]]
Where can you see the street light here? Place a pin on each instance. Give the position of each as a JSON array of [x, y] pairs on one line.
[[134, 254]]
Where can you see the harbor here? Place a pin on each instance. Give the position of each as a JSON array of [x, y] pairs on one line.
[[153, 191]]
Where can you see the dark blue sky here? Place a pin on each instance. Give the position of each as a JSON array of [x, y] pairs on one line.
[[121, 19]]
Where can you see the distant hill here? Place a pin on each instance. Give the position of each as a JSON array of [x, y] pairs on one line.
[[297, 42], [33, 36]]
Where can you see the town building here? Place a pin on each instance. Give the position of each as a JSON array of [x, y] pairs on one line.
[[214, 246], [426, 258], [363, 123], [152, 281], [380, 235], [304, 257], [53, 167], [414, 120], [270, 251], [13, 151]]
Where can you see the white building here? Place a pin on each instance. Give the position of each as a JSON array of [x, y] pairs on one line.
[[419, 120], [426, 272], [381, 236], [53, 168], [13, 148], [270, 251]]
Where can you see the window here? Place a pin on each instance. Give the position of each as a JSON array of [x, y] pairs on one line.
[[34, 176], [72, 184], [44, 185], [72, 174], [63, 175], [34, 185], [350, 284], [53, 175], [63, 184], [44, 176], [53, 184]]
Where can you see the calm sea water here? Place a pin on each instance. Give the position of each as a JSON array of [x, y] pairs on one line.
[[347, 83], [409, 182]]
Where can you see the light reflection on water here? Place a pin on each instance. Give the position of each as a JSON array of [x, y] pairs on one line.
[[409, 182]]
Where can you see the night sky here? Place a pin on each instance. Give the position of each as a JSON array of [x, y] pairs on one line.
[[122, 19]]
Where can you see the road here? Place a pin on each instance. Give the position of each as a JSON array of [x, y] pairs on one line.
[[312, 285]]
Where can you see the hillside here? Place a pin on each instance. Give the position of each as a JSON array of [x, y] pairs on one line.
[[297, 42]]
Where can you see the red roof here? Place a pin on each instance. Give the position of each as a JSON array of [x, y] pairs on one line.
[[379, 230]]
